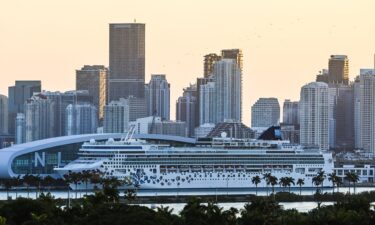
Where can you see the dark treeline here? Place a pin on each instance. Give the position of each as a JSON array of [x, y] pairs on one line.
[[104, 208]]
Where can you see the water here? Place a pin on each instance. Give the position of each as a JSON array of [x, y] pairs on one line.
[[177, 207], [300, 206]]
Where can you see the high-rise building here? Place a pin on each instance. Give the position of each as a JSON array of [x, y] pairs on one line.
[[209, 62], [126, 60], [3, 114], [228, 90], [357, 112], [39, 118], [341, 116], [367, 109], [137, 108], [207, 103], [200, 82], [158, 97], [314, 115], [17, 96], [81, 119], [338, 69], [186, 108], [61, 101], [20, 128], [94, 79], [235, 54], [265, 113], [290, 112], [116, 117], [322, 76]]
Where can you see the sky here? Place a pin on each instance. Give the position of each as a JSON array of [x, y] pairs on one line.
[[284, 43]]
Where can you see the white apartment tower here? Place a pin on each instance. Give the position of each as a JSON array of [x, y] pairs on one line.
[[228, 90], [39, 118], [116, 116], [367, 109], [314, 115], [81, 119], [207, 103]]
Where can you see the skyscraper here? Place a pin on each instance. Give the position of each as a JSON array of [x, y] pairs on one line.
[[3, 114], [186, 108], [291, 112], [357, 112], [209, 62], [126, 60], [338, 69], [61, 101], [207, 103], [39, 118], [265, 113], [81, 119], [158, 96], [228, 90], [116, 117], [235, 54], [94, 79], [367, 109], [314, 115], [17, 95]]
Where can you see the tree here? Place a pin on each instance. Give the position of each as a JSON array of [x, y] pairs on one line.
[[300, 183], [318, 180], [283, 182], [48, 181], [352, 177], [85, 177], [256, 180], [266, 177], [273, 181], [333, 178], [290, 181]]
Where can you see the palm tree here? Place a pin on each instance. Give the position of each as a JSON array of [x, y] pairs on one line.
[[7, 183], [290, 181], [47, 182], [333, 178], [256, 180], [352, 177], [273, 181], [28, 180], [318, 180], [283, 182], [300, 182], [266, 177], [85, 177]]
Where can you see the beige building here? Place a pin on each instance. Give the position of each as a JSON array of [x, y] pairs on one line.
[[94, 79], [338, 71]]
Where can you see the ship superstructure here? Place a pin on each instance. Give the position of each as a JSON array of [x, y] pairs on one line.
[[212, 163]]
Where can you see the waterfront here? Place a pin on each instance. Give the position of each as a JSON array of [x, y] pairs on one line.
[[303, 206]]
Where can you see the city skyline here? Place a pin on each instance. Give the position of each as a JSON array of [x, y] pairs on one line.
[[280, 52]]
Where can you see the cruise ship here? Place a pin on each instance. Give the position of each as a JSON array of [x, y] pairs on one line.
[[212, 163]]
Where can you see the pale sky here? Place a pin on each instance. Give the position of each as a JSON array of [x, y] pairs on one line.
[[285, 43]]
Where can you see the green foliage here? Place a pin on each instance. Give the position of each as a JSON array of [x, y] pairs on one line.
[[97, 209]]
